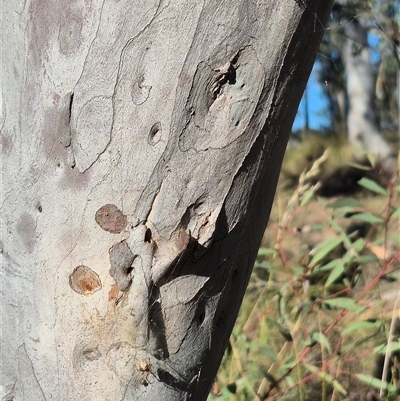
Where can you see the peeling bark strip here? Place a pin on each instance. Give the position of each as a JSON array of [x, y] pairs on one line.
[[178, 112], [121, 259]]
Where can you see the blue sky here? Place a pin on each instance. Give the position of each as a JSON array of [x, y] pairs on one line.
[[318, 106]]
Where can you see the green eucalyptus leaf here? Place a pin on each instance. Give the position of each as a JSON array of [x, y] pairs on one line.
[[396, 213], [378, 383], [343, 303], [364, 325], [344, 202], [359, 166], [365, 259], [307, 197], [372, 186], [324, 248], [266, 251], [336, 272], [367, 217], [327, 377]]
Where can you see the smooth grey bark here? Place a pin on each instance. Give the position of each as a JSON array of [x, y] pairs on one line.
[[141, 146]]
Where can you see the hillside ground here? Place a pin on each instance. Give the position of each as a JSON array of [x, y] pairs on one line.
[[323, 301]]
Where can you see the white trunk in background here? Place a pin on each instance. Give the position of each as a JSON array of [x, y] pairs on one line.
[[363, 130], [141, 146]]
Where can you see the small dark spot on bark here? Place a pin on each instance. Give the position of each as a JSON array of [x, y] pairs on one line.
[[84, 280], [147, 235], [39, 208], [58, 163], [111, 219], [71, 100], [154, 134]]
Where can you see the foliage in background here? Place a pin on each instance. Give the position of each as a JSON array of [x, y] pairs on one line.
[[323, 302]]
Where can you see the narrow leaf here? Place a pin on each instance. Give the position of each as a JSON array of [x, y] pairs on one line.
[[382, 348], [338, 387], [396, 213], [365, 325], [266, 251], [327, 377], [343, 211], [263, 265], [323, 249], [365, 259], [317, 227], [359, 166], [289, 381], [395, 238], [336, 272], [371, 158], [323, 340], [367, 217], [329, 266], [377, 383], [358, 245], [307, 197], [372, 186], [343, 303], [341, 232], [345, 202]]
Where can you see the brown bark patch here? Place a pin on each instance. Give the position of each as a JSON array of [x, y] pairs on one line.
[[84, 280], [111, 219], [113, 293]]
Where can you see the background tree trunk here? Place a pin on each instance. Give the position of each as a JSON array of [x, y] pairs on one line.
[[142, 143], [362, 125]]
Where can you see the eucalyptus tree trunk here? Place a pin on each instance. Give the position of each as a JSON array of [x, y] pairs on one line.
[[141, 147], [362, 126]]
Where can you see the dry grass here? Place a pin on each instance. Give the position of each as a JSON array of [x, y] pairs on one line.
[[301, 334]]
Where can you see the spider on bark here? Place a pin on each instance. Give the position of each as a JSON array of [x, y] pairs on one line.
[[144, 367]]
